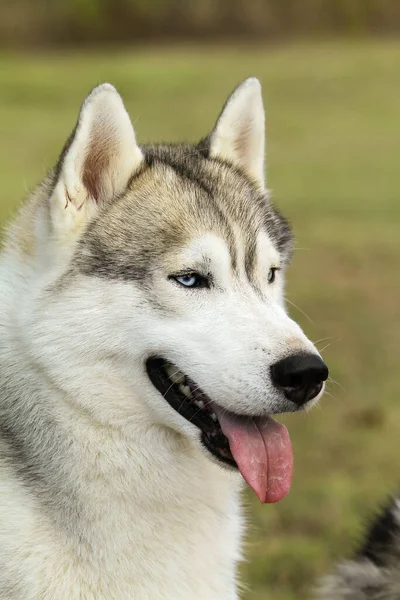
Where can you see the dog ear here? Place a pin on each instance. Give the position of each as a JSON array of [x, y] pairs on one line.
[[100, 156], [239, 133]]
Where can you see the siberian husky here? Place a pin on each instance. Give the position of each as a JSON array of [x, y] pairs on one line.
[[144, 347]]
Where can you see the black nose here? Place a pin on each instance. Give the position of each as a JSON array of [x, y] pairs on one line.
[[300, 376]]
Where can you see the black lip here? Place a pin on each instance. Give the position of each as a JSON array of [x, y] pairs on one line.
[[211, 434]]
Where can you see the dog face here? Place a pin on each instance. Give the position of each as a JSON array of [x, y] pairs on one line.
[[167, 266]]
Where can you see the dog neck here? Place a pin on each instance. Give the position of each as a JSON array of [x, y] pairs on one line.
[[116, 495]]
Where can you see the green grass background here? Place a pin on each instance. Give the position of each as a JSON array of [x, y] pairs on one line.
[[333, 115]]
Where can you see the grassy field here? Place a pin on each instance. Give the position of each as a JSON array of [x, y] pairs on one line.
[[333, 165]]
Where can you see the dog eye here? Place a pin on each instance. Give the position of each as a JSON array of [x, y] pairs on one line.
[[191, 280], [272, 274]]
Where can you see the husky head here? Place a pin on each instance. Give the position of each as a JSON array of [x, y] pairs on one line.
[[162, 287]]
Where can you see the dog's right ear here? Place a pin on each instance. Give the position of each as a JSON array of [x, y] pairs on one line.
[[98, 160]]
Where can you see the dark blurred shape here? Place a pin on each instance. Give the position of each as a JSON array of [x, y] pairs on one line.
[[88, 22]]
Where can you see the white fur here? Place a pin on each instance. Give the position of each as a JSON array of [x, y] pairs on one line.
[[104, 130], [239, 135], [139, 511]]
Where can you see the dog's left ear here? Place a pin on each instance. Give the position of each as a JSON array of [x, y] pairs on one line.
[[98, 160], [239, 134]]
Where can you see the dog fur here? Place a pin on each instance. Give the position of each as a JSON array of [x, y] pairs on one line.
[[106, 492], [373, 574]]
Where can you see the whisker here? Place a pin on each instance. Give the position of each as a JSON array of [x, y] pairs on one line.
[[166, 391], [336, 383], [174, 373], [199, 409], [182, 403], [325, 339], [325, 347], [300, 310], [196, 389]]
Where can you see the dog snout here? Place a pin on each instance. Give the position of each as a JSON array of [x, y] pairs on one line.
[[300, 376]]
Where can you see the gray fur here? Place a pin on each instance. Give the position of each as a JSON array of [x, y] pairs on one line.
[[206, 195], [374, 573], [107, 492]]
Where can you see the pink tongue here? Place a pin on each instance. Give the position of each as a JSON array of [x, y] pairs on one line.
[[262, 450]]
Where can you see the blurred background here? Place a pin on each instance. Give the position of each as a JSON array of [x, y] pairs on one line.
[[330, 70]]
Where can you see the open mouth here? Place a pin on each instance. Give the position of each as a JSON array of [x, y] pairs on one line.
[[192, 403], [258, 446]]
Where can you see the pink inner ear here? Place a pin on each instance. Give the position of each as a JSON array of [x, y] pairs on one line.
[[99, 154], [242, 141]]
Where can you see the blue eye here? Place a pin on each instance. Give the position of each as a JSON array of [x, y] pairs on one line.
[[187, 280], [191, 280]]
